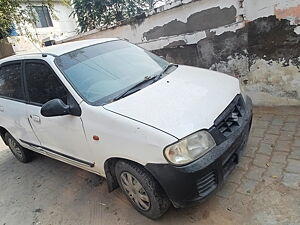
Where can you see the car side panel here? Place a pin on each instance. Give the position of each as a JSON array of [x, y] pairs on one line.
[[13, 118], [122, 137]]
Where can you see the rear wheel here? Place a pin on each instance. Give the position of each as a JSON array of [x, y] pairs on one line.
[[22, 154], [141, 189]]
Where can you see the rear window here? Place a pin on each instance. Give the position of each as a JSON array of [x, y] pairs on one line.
[[11, 82]]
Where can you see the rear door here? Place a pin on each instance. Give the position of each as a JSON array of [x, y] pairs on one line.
[[13, 104], [62, 135]]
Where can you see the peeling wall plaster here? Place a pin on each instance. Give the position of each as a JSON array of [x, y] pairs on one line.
[[237, 66], [274, 78], [264, 55], [292, 12], [270, 80], [297, 30], [256, 41], [274, 62], [271, 38], [199, 21]]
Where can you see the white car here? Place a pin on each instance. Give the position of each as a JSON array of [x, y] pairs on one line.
[[165, 133]]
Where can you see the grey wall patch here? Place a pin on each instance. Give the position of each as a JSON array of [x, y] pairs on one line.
[[176, 44], [203, 20], [219, 48], [209, 50], [186, 54], [264, 55], [273, 39]]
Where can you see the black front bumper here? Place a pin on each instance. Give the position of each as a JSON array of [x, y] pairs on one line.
[[189, 184]]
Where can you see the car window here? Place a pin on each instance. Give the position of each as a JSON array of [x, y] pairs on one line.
[[99, 72], [42, 84], [10, 81]]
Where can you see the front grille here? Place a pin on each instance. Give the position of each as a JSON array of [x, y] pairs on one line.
[[231, 118], [206, 184], [229, 164]]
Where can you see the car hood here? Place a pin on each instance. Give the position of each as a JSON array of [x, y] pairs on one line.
[[187, 100]]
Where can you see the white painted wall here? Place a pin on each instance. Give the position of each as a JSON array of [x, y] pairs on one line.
[[164, 15], [261, 8], [64, 26], [250, 10], [268, 80]]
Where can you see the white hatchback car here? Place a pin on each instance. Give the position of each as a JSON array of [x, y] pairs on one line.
[[164, 133]]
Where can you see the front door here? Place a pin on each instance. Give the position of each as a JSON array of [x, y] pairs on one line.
[[61, 135]]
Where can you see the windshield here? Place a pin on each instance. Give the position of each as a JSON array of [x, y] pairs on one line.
[[102, 71]]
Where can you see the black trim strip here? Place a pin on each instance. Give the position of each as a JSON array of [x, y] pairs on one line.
[[47, 53], [13, 99], [58, 153]]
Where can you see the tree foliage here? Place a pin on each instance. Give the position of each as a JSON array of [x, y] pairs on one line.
[[20, 13], [97, 13]]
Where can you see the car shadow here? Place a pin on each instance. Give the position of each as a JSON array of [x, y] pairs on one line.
[[50, 191]]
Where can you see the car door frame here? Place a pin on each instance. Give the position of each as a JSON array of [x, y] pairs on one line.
[[43, 149], [21, 101], [25, 81], [22, 80]]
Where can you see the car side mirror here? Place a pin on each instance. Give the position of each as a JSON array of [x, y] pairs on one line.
[[55, 107]]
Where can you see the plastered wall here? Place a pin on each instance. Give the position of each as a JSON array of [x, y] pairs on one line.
[[257, 41]]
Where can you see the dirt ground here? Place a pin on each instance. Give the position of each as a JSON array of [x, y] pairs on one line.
[[264, 189]]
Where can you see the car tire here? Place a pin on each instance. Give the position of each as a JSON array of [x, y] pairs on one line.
[[22, 154], [144, 192]]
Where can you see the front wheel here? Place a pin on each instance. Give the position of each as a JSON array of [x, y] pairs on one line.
[[22, 154], [141, 189]]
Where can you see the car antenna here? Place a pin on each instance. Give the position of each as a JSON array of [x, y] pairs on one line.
[[43, 54]]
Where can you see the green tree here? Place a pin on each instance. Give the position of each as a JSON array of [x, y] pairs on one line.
[[98, 13]]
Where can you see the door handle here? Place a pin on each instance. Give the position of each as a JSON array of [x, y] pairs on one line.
[[1, 108], [35, 118]]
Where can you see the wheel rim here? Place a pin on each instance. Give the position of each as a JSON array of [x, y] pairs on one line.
[[135, 191], [14, 147]]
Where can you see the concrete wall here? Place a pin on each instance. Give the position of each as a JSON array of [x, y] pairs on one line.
[[5, 49], [274, 50], [254, 40]]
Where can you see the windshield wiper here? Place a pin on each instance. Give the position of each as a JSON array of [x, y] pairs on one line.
[[170, 65], [146, 80], [128, 91]]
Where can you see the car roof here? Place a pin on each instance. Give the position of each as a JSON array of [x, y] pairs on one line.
[[60, 49]]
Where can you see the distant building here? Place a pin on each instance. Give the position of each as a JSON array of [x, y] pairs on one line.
[[48, 28]]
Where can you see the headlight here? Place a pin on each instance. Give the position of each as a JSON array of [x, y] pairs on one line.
[[189, 148]]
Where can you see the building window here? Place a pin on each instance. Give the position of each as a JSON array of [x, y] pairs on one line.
[[43, 18]]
